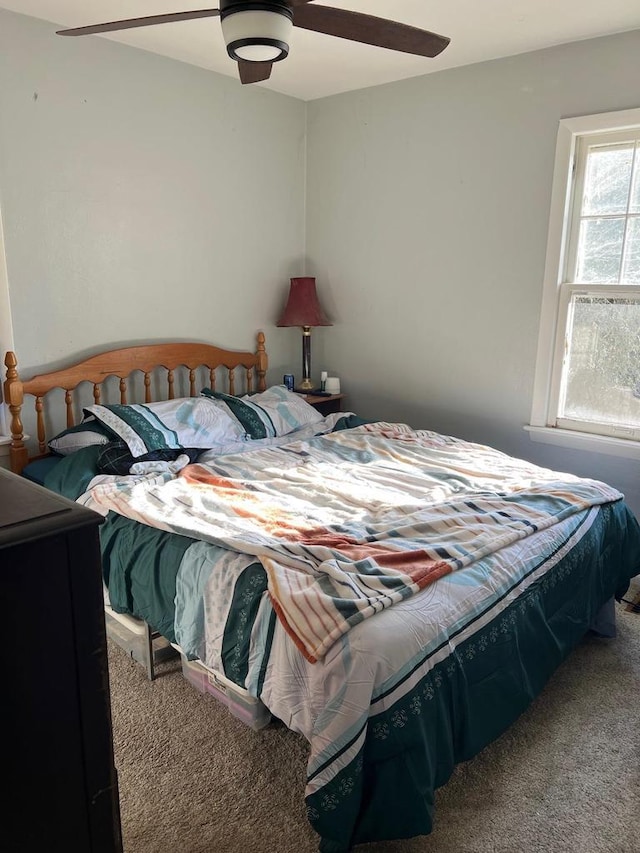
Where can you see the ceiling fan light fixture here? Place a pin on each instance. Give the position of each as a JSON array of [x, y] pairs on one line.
[[260, 33]]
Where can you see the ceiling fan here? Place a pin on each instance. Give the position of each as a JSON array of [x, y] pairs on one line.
[[257, 33]]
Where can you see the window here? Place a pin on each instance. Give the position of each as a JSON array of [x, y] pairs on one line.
[[588, 373]]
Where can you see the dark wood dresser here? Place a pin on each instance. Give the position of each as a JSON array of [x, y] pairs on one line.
[[60, 784]]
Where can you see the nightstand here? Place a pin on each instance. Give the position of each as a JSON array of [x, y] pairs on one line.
[[325, 405]]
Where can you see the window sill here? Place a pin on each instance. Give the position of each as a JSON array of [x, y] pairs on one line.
[[585, 441]]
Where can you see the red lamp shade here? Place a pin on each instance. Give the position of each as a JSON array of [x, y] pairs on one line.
[[303, 308]]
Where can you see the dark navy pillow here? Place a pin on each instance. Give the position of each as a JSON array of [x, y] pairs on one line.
[[116, 458]]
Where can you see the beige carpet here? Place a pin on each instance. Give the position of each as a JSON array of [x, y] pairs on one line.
[[564, 779]]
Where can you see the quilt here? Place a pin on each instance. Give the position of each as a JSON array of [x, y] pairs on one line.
[[351, 523]]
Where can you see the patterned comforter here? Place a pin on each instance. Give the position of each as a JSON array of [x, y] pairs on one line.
[[430, 587]]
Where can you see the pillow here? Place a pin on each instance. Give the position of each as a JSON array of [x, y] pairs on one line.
[[84, 434], [169, 425], [37, 471], [272, 413], [115, 457], [74, 472]]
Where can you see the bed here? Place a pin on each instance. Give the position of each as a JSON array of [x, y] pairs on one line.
[[397, 596]]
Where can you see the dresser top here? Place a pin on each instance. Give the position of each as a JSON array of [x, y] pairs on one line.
[[28, 511]]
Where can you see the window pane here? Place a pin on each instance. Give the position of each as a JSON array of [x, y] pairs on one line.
[[600, 250], [602, 369], [607, 179], [631, 265]]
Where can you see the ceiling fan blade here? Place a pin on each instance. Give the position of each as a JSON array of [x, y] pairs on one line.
[[254, 72], [369, 30], [129, 24]]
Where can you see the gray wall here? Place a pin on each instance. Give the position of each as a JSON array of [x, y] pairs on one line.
[[146, 199], [143, 199], [427, 214]]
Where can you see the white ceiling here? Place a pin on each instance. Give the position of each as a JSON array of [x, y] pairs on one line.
[[319, 65]]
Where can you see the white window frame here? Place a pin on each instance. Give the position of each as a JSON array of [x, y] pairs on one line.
[[555, 299]]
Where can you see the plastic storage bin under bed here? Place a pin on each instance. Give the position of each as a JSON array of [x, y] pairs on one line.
[[249, 710]]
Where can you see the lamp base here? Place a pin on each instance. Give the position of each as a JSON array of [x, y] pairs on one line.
[[305, 385]]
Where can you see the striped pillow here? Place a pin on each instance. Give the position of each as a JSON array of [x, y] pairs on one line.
[[84, 434], [274, 412], [169, 425]]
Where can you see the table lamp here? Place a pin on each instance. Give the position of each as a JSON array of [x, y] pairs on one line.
[[303, 309]]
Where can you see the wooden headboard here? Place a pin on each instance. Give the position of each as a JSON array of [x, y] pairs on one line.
[[122, 363]]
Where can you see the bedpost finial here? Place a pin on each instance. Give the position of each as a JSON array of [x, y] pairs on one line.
[[12, 385]]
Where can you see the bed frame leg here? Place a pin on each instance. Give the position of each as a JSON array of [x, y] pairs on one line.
[[149, 661]]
